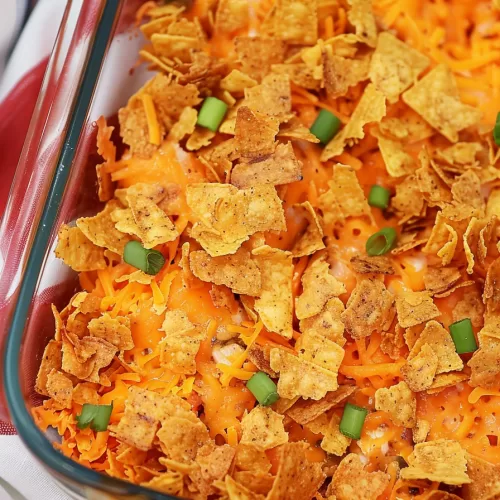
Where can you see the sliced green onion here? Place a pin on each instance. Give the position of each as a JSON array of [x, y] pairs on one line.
[[149, 261], [95, 416], [381, 242], [496, 131], [379, 197], [352, 421], [211, 113], [325, 126], [263, 388], [463, 336]]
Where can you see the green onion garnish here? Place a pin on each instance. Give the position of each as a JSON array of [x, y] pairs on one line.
[[263, 388], [496, 131], [379, 197], [211, 113], [97, 416], [149, 261], [352, 421], [325, 126], [463, 336], [381, 242]]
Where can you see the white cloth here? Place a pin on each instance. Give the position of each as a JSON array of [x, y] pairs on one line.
[[22, 477]]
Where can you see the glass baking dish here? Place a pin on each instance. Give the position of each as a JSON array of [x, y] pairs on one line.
[[88, 75]]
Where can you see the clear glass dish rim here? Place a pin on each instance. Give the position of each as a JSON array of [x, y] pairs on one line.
[[32, 436]]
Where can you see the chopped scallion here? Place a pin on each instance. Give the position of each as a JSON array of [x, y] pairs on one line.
[[463, 336], [496, 131], [381, 242], [263, 388], [325, 126], [149, 261], [212, 113], [352, 421], [95, 416], [379, 197]]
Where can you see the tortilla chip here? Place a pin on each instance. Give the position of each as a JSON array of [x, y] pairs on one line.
[[305, 411], [392, 343], [440, 279], [341, 73], [421, 430], [408, 201], [461, 154], [485, 479], [115, 330], [185, 125], [294, 129], [441, 460], [470, 306], [445, 380], [320, 351], [436, 98], [419, 372], [77, 251], [280, 167], [298, 21], [105, 185], [397, 161], [485, 370], [238, 271], [369, 309], [311, 240], [319, 286], [370, 108], [250, 457], [236, 491], [255, 133], [301, 377], [51, 361], [231, 15], [466, 190], [439, 339], [272, 97], [228, 216], [399, 402], [297, 477], [410, 127], [275, 304], [344, 198], [86, 392], [328, 323], [351, 480], [258, 54], [236, 82], [263, 428], [200, 138], [395, 66], [59, 388], [260, 357], [414, 308], [366, 264], [104, 355], [361, 17], [175, 46], [302, 75], [181, 343]]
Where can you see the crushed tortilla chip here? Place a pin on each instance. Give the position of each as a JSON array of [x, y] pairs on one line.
[[361, 17], [461, 154], [302, 75], [485, 478], [466, 190], [51, 360], [86, 392], [272, 97], [414, 308], [185, 125], [59, 388], [279, 167], [228, 216], [258, 54], [294, 129], [319, 286], [421, 430], [436, 98], [298, 21], [77, 251], [238, 271], [236, 491], [470, 306], [306, 410], [440, 279], [351, 480], [441, 460], [397, 161], [297, 477], [200, 138], [369, 309], [344, 198], [395, 66], [114, 330], [371, 108], [237, 81], [231, 16], [275, 303], [311, 240], [445, 380], [327, 323], [255, 133], [181, 343], [366, 264], [263, 428], [408, 201], [485, 371], [400, 402], [419, 372]]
